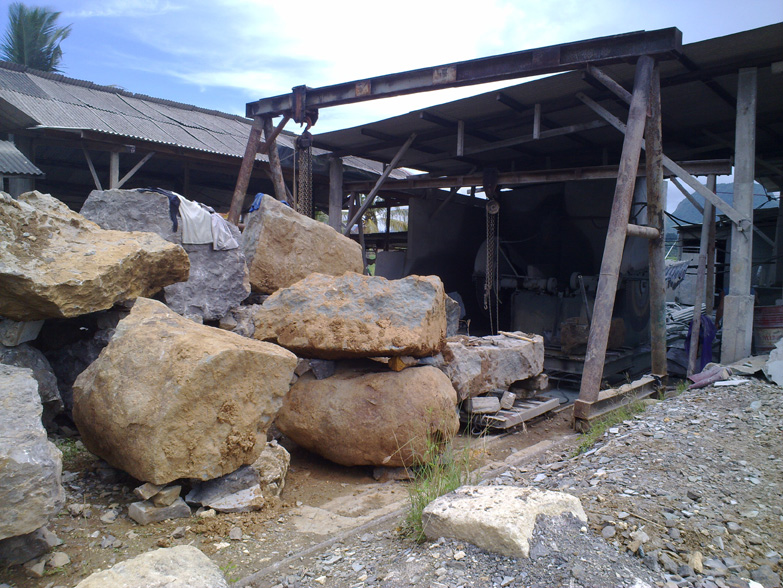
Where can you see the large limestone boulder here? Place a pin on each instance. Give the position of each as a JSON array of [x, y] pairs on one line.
[[283, 246], [182, 566], [30, 465], [364, 417], [56, 263], [218, 280], [169, 398], [498, 519], [476, 365], [26, 356], [356, 316]]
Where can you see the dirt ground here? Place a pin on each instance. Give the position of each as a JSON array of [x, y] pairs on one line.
[[321, 501]]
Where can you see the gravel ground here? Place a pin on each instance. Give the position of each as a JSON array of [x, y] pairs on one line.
[[687, 493]]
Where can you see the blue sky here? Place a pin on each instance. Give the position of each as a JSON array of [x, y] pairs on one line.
[[223, 53]]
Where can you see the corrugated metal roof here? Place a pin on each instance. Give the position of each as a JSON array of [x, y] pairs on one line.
[[34, 99], [14, 163]]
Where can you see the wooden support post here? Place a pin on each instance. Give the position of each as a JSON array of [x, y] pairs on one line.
[[374, 192], [738, 304], [615, 236], [336, 193], [134, 169], [698, 298], [656, 204], [94, 174], [245, 171], [270, 144], [114, 169], [711, 184]]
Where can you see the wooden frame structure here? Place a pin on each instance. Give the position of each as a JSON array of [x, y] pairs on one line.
[[642, 131]]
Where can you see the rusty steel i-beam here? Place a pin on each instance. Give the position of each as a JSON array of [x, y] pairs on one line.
[[662, 43]]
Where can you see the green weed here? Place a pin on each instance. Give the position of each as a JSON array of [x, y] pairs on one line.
[[230, 567], [623, 413]]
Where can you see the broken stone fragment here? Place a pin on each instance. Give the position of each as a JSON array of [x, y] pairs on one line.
[[167, 496], [23, 548], [272, 467], [205, 395], [74, 267], [498, 519], [477, 365], [145, 512], [30, 465], [182, 566], [239, 491], [147, 490], [283, 246], [13, 333], [353, 316], [26, 356], [361, 416]]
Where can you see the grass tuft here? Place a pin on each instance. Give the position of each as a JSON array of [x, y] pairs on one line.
[[623, 413], [446, 469]]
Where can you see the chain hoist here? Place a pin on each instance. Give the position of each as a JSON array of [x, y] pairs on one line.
[[491, 278], [304, 177]]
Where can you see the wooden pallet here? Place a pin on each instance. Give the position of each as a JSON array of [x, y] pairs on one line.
[[523, 410]]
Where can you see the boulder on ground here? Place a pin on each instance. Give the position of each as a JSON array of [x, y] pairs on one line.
[[218, 279], [56, 263], [283, 246], [498, 519], [169, 398], [364, 417], [476, 365], [25, 356], [356, 316], [22, 548], [13, 333], [30, 465], [182, 566]]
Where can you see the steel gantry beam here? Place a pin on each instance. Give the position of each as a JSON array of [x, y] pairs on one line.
[[662, 43]]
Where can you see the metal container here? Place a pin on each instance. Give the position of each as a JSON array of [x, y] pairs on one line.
[[767, 327]]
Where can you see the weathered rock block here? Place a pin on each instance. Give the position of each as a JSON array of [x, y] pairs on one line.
[[272, 467], [498, 519], [283, 246], [13, 333], [30, 465], [218, 280], [363, 417], [56, 263], [146, 512], [29, 357], [356, 316], [182, 566], [476, 365], [239, 491], [169, 398]]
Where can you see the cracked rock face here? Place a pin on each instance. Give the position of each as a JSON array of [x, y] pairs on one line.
[[30, 465], [353, 316], [218, 280], [54, 263], [169, 398], [283, 246]]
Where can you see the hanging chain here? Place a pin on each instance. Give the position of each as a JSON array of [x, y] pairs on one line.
[[491, 282], [304, 195]]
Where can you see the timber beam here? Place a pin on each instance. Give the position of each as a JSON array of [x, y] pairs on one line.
[[664, 43]]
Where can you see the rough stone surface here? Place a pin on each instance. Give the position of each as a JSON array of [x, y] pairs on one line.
[[240, 320], [364, 417], [356, 316], [272, 467], [29, 357], [239, 491], [56, 263], [14, 333], [453, 311], [499, 519], [218, 280], [203, 395], [22, 548], [30, 465], [145, 512], [174, 567], [476, 365], [283, 246]]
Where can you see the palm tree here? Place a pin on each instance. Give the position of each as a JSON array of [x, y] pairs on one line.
[[33, 37]]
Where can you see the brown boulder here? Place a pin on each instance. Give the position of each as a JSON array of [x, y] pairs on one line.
[[364, 417], [356, 316], [54, 263], [282, 247], [169, 398]]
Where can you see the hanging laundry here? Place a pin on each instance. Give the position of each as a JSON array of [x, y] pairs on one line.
[[222, 238], [196, 222]]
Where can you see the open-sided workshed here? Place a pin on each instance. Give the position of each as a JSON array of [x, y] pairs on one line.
[[715, 100]]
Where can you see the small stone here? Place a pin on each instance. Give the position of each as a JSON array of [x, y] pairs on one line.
[[765, 576], [608, 532], [458, 555], [145, 512], [540, 478], [167, 496], [750, 514], [674, 533], [58, 560], [36, 567], [109, 517], [685, 570], [178, 533], [693, 495], [695, 562], [107, 541], [207, 514], [622, 515], [235, 534], [733, 528], [147, 490]]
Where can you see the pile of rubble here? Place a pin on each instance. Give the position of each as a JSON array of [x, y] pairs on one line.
[[108, 321]]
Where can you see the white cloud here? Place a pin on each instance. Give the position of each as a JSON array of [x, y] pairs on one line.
[[124, 9]]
